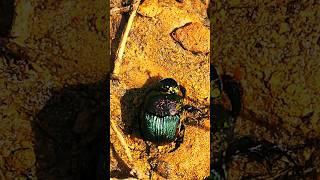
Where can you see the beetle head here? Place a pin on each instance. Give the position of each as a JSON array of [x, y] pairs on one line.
[[169, 86]]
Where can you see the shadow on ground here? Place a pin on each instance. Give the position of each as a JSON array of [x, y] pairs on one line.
[[130, 106], [130, 111], [6, 16], [70, 133]]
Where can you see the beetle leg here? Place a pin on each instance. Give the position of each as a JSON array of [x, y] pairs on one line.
[[148, 147], [234, 91], [192, 121], [179, 139], [197, 115], [191, 109], [183, 91]]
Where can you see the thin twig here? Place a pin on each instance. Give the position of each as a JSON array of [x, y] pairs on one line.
[[124, 38], [122, 141], [120, 10], [135, 171]]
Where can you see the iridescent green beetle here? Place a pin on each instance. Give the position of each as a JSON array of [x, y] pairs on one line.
[[223, 118], [160, 119]]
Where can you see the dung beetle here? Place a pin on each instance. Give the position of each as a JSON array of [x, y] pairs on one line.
[[223, 121], [226, 84], [222, 87], [160, 120]]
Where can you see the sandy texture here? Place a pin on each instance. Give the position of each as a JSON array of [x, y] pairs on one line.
[[49, 86], [152, 53], [273, 49]]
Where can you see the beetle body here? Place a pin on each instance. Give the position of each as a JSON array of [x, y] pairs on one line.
[[160, 117]]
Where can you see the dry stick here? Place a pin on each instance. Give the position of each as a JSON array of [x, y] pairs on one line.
[[120, 10], [122, 141], [127, 150], [124, 38]]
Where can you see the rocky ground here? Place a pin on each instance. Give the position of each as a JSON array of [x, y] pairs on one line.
[[167, 39], [272, 48], [52, 74]]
